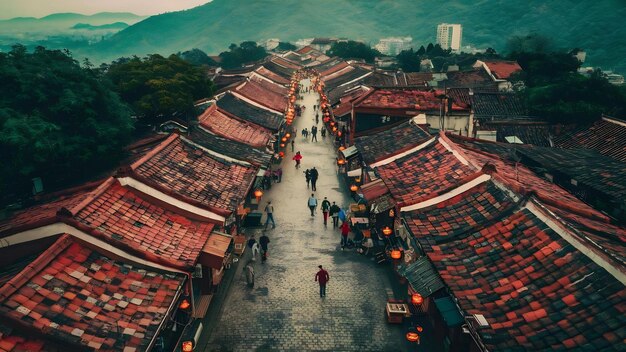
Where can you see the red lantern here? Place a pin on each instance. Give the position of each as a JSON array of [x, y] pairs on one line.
[[284, 139], [342, 148], [187, 346], [412, 336], [184, 304], [258, 194], [417, 299], [396, 254], [334, 129], [287, 135], [282, 145], [354, 188], [341, 162], [387, 231], [281, 154], [326, 119]]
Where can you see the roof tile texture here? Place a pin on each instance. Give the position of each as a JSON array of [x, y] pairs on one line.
[[389, 142], [413, 99], [607, 136], [223, 125]]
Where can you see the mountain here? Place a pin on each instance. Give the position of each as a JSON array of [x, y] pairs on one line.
[[486, 23], [113, 26]]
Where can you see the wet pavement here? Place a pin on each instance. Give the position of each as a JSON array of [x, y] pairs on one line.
[[284, 312]]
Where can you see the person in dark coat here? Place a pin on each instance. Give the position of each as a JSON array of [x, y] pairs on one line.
[[334, 213], [264, 241], [307, 177], [314, 176], [325, 209], [322, 278]]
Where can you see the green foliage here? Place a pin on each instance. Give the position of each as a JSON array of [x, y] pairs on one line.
[[409, 60], [246, 52], [353, 50], [158, 88], [58, 121], [285, 46], [197, 57]]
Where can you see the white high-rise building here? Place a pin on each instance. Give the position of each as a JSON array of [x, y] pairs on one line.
[[393, 45], [449, 36]]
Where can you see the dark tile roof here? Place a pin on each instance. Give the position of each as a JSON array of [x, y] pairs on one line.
[[272, 75], [223, 124], [270, 86], [536, 290], [230, 147], [328, 70], [260, 93], [354, 74], [390, 142], [323, 66], [424, 174], [607, 136], [405, 98], [478, 78], [125, 220], [345, 102], [185, 169], [13, 340], [249, 112], [417, 78], [528, 131], [498, 105], [465, 213], [86, 299], [285, 63], [279, 70]]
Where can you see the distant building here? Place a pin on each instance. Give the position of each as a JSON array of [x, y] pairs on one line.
[[271, 44], [449, 36], [393, 45]]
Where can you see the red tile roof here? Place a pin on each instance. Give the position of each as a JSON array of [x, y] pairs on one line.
[[465, 213], [399, 98], [285, 63], [305, 50], [607, 136], [259, 93], [390, 142], [271, 75], [86, 299], [536, 290], [270, 86], [12, 340], [503, 69], [346, 100], [187, 170], [424, 174], [226, 126], [373, 190], [329, 71], [119, 216]]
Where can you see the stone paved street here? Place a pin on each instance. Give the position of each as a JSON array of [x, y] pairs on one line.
[[283, 312]]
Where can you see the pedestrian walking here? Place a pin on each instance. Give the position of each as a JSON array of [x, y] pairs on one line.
[[269, 211], [313, 133], [297, 158], [293, 142], [345, 231], [307, 177], [305, 133], [251, 244], [325, 210], [314, 175], [264, 241], [312, 203], [334, 213], [317, 118], [322, 278], [249, 270], [279, 174], [323, 133]]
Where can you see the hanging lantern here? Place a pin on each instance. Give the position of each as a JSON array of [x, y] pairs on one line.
[[417, 299], [387, 231], [357, 179], [334, 129], [396, 254], [281, 154], [412, 336], [187, 346], [284, 139], [282, 145], [342, 148], [339, 134], [392, 213], [184, 304], [288, 135], [258, 194], [341, 161], [326, 119], [354, 188]]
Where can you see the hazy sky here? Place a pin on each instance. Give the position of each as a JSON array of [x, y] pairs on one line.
[[40, 8]]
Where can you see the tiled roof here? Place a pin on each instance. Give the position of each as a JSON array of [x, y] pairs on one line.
[[405, 98], [86, 299], [469, 79], [356, 73], [497, 105], [528, 131], [390, 142], [222, 124], [607, 136], [249, 112], [119, 216], [345, 102], [285, 63], [270, 86], [305, 50], [12, 340], [417, 78], [230, 147], [332, 69], [259, 93], [373, 190], [282, 71], [536, 290], [424, 174], [182, 168], [503, 69], [467, 212], [272, 75]]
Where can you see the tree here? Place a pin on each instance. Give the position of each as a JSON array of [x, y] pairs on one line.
[[158, 88], [421, 51], [353, 50], [197, 57], [58, 121], [285, 46], [409, 60], [246, 52]]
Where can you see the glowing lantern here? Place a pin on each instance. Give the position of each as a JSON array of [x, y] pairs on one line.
[[326, 119], [284, 139], [334, 129], [187, 346], [332, 124], [396, 254], [354, 188], [258, 194], [339, 134], [184, 304], [357, 179], [341, 162], [281, 154], [417, 299], [287, 135], [412, 336], [387, 231], [282, 145], [392, 213], [342, 148]]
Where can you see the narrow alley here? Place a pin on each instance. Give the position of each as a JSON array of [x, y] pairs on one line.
[[284, 312]]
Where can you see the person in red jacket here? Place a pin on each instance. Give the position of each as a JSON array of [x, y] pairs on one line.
[[297, 158], [345, 231], [322, 277]]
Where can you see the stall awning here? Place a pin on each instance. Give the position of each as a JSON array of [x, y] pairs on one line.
[[372, 190], [355, 173], [449, 311], [215, 250], [349, 152], [422, 276]]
